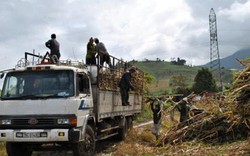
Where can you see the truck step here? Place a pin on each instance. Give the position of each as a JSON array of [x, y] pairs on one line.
[[108, 129], [106, 136]]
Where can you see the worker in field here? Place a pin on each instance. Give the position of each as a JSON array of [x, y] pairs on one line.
[[54, 47], [125, 85], [103, 53], [184, 107], [156, 107], [91, 52]]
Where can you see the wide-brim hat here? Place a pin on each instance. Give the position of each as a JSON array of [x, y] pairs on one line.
[[132, 68]]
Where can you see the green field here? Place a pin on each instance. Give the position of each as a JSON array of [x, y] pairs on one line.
[[163, 70]]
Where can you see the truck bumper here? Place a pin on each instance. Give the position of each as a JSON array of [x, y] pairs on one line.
[[40, 135]]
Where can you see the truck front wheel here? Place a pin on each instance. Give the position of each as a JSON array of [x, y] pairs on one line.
[[86, 147], [18, 149]]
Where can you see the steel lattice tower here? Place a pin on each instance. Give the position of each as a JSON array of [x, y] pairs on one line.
[[214, 48]]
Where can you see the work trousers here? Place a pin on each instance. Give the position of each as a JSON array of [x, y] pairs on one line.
[[124, 96]]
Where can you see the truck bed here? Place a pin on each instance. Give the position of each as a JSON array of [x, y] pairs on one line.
[[109, 104]]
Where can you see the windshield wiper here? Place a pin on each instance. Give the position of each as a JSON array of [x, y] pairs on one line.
[[35, 96], [24, 97], [20, 97]]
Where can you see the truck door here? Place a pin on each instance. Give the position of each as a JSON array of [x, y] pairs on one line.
[[84, 90]]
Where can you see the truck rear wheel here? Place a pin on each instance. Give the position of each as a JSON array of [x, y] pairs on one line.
[[86, 147], [122, 132], [18, 149], [130, 122]]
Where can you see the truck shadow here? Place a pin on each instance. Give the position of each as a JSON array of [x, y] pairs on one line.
[[102, 147], [106, 146]]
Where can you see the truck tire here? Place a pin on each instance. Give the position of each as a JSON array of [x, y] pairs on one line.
[[18, 149], [86, 147], [130, 122], [122, 132]]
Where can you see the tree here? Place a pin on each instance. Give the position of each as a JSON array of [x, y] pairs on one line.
[[179, 84], [178, 81], [179, 61], [204, 81], [148, 79]]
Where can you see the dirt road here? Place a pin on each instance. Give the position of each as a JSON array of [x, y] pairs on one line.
[[103, 147]]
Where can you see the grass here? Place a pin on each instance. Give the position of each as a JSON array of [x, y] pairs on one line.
[[164, 70], [145, 115], [159, 85], [2, 149]]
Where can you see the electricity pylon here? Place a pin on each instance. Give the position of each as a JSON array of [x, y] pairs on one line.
[[214, 48]]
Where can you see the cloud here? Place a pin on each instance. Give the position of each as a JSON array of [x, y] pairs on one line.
[[130, 29], [237, 12]]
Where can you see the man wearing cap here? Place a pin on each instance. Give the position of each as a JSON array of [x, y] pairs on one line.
[[54, 47], [125, 84]]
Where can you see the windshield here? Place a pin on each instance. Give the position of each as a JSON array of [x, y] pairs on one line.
[[38, 84]]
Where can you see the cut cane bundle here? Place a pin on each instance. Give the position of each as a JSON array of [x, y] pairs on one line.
[[230, 124]]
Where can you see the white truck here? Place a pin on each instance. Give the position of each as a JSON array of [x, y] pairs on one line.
[[66, 105]]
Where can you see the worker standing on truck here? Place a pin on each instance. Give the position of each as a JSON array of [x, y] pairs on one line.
[[125, 84], [91, 52], [103, 53], [54, 47]]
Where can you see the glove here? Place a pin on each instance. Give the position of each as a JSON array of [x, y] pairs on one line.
[[132, 88]]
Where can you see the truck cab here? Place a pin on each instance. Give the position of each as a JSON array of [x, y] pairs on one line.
[[62, 106]]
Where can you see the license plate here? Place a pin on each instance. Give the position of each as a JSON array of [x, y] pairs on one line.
[[31, 134]]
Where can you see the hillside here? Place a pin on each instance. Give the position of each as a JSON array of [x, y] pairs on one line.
[[230, 62], [163, 71]]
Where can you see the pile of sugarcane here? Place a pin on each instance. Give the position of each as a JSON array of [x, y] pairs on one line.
[[138, 81], [229, 123], [239, 94], [109, 80]]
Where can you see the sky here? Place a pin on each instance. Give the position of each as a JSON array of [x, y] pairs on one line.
[[130, 29]]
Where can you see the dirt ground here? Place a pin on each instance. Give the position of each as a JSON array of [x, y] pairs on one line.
[[141, 142]]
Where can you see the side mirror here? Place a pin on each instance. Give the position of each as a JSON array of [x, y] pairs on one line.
[[2, 75]]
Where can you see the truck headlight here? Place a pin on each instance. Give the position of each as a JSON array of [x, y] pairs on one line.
[[63, 121], [6, 122]]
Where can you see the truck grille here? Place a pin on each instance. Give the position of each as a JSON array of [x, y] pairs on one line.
[[22, 122], [35, 122]]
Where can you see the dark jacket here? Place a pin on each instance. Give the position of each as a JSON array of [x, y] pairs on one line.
[[156, 109], [125, 82], [54, 47], [101, 49]]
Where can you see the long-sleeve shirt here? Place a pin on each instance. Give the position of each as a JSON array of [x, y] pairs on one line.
[[54, 47], [125, 82], [101, 48]]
